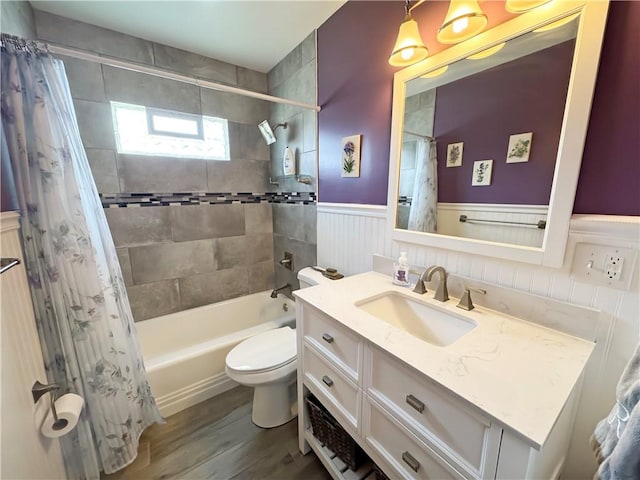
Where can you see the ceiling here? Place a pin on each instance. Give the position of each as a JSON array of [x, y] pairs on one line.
[[252, 34]]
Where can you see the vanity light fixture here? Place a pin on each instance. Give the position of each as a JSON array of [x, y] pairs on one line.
[[557, 23], [464, 20], [435, 73], [519, 6], [487, 52], [409, 47]]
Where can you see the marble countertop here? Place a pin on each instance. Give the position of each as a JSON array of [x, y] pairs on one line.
[[517, 372]]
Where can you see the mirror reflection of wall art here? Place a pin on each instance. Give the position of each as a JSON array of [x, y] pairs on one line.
[[482, 173], [351, 156], [519, 147], [454, 154]]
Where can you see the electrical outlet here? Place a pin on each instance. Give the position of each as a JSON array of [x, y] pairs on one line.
[[613, 266]]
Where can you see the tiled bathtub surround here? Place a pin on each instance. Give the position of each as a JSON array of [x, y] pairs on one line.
[[93, 86], [173, 257], [202, 198], [295, 225], [294, 78], [179, 257], [294, 231]]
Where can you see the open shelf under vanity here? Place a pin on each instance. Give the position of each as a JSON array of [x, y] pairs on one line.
[[336, 467]]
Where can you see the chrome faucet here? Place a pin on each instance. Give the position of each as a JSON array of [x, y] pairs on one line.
[[276, 291], [442, 293]]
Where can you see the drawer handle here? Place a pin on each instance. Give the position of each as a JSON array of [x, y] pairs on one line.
[[415, 403], [412, 462], [327, 381], [327, 338]]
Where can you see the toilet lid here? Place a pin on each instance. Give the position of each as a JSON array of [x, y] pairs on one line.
[[265, 351]]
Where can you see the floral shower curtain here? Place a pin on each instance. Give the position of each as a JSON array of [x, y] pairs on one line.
[[82, 311], [424, 202]]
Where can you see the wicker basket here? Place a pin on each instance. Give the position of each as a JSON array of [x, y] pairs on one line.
[[333, 436], [380, 475]]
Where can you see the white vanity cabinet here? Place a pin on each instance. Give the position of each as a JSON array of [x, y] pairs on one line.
[[408, 424], [456, 432]]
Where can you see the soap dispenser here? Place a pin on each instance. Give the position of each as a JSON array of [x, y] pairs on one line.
[[401, 271]]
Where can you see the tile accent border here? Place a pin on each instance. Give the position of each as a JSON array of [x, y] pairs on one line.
[[128, 200]]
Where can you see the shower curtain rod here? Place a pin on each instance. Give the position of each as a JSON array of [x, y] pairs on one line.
[[426, 137], [157, 72]]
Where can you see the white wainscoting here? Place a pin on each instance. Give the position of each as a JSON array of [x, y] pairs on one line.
[[531, 236], [349, 234], [25, 452]]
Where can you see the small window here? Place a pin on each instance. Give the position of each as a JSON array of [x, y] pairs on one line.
[[141, 130], [165, 122]]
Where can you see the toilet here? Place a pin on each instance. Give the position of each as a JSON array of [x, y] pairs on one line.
[[268, 363]]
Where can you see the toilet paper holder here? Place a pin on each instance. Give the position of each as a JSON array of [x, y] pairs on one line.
[[38, 390]]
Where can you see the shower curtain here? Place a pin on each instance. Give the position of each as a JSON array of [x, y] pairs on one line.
[[83, 317], [422, 213]]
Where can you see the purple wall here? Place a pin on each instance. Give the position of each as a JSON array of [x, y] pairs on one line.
[[355, 87], [354, 91], [609, 181], [525, 95]]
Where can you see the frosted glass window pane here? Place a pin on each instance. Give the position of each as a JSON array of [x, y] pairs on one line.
[[176, 125], [132, 135]]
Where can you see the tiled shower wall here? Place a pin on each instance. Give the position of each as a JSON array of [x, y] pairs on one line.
[[173, 257], [294, 225], [17, 18]]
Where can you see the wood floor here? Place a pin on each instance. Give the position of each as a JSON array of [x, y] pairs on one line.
[[217, 440]]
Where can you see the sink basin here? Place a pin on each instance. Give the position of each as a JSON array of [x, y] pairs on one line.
[[419, 319]]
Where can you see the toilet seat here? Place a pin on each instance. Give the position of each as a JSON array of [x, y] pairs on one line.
[[263, 352]]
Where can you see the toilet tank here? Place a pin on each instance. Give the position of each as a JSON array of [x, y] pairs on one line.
[[308, 277]]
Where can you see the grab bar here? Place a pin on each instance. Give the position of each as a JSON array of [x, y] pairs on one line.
[[8, 263], [542, 224]]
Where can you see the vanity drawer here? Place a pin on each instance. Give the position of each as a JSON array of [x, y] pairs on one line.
[[431, 413], [401, 449], [331, 385], [335, 340]]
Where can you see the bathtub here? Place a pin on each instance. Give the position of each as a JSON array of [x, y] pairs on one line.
[[184, 352]]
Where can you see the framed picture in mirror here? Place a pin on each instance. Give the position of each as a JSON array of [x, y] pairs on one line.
[[482, 173], [454, 154], [519, 148]]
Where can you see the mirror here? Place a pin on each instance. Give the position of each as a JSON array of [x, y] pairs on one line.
[[480, 156], [471, 110]]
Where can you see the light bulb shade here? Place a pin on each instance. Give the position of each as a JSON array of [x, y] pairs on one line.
[[519, 6], [409, 47], [464, 20]]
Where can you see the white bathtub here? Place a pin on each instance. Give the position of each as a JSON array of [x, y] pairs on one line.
[[184, 352]]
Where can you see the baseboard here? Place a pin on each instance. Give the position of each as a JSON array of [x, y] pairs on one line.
[[193, 394]]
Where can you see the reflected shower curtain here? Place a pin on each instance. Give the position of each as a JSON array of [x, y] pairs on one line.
[[82, 311], [422, 214]]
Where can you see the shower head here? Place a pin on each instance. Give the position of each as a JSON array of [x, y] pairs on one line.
[[267, 131]]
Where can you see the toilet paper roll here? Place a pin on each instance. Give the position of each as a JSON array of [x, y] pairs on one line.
[[68, 407]]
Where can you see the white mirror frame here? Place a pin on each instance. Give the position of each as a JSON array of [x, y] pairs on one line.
[[572, 137]]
